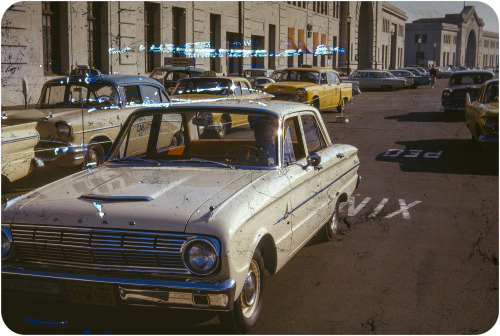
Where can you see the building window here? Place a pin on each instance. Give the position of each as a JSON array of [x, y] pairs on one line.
[[95, 17], [386, 26], [178, 29], [152, 34], [51, 40]]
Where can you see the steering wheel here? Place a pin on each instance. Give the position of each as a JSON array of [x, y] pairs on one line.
[[108, 99], [246, 150]]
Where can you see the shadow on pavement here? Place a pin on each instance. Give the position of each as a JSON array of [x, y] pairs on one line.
[[447, 156]]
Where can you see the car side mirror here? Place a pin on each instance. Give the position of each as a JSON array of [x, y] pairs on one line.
[[314, 159]]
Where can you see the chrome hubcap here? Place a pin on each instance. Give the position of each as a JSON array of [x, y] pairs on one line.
[[251, 290]]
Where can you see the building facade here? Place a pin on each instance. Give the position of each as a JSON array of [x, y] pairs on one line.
[[41, 40], [455, 40]]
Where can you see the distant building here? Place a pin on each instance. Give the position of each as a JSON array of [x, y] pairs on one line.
[[455, 40]]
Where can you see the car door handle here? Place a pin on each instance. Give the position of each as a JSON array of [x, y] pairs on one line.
[[340, 155]]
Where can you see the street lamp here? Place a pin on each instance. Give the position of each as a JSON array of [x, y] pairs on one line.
[[349, 18], [419, 41], [341, 118]]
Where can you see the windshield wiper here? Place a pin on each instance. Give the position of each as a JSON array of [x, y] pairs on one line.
[[196, 160]]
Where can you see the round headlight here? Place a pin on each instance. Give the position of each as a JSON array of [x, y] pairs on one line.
[[200, 256], [301, 91], [446, 93], [63, 130], [6, 245]]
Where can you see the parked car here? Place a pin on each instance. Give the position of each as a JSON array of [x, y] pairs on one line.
[[260, 83], [169, 75], [18, 151], [217, 88], [322, 88], [481, 115], [377, 79], [459, 84], [420, 78], [407, 75], [276, 75], [79, 116], [257, 72], [192, 223], [443, 72]]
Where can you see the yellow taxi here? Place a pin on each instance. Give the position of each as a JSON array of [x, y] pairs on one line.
[[319, 87]]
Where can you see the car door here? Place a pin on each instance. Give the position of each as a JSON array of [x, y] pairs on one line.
[[311, 196], [334, 81]]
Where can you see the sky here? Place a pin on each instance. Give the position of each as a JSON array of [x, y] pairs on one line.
[[486, 10]]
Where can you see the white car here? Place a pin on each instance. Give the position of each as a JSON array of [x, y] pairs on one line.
[[173, 219]]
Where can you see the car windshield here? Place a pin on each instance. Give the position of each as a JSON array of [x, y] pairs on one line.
[[225, 139], [300, 76], [173, 75], [211, 86], [492, 93], [470, 78], [64, 94]]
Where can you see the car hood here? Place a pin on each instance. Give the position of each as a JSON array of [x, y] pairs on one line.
[[138, 198], [288, 85], [21, 116]]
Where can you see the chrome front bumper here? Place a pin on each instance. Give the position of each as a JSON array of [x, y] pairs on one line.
[[189, 294], [60, 153]]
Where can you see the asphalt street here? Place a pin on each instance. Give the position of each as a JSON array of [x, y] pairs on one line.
[[416, 252]]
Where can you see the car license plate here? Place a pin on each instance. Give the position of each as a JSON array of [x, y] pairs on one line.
[[95, 294]]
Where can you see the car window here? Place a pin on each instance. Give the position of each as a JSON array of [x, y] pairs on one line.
[[471, 78], [203, 85], [333, 78], [314, 138], [152, 94], [132, 95], [244, 88], [492, 93], [158, 137], [293, 148], [237, 89], [140, 142]]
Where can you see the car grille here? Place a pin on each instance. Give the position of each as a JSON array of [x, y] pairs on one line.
[[88, 248], [285, 96]]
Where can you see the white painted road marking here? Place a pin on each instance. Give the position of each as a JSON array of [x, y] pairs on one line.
[[353, 210]]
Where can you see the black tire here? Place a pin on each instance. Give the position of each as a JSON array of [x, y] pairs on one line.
[[248, 304], [331, 227], [341, 107], [386, 88], [95, 153]]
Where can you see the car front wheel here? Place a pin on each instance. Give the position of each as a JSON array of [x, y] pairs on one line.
[[247, 307], [331, 227]]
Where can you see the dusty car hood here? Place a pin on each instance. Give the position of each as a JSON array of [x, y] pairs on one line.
[[492, 109], [145, 198]]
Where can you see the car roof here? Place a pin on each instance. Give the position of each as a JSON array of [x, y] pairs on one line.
[[278, 108], [309, 69], [180, 68], [463, 72], [109, 79]]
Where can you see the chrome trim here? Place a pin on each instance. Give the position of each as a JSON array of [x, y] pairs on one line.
[[212, 242], [314, 195], [115, 199], [97, 129], [227, 287], [19, 139]]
